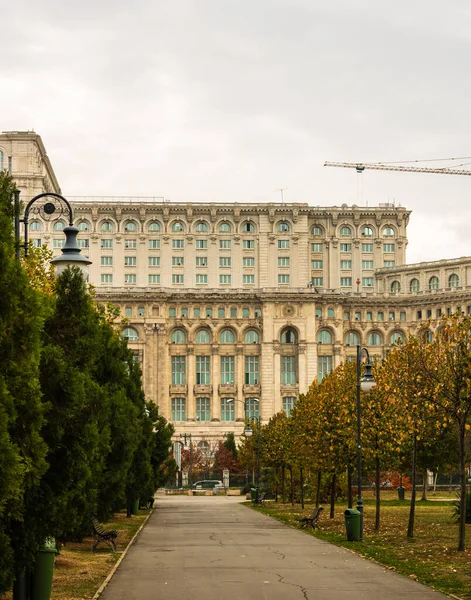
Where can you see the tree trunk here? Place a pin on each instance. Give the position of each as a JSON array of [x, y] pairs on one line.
[[301, 476], [333, 495], [318, 491], [462, 531], [292, 484], [424, 487], [435, 477], [378, 490], [283, 492], [349, 486], [410, 528]]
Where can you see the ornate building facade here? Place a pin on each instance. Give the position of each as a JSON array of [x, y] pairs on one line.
[[234, 309]]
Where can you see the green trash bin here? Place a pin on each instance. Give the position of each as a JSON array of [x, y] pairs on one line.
[[135, 507], [43, 570], [253, 494], [352, 524], [401, 492]]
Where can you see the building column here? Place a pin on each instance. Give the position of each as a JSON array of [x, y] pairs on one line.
[[302, 369], [240, 371], [190, 380], [215, 378]]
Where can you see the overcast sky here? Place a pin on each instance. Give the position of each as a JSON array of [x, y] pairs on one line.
[[223, 101]]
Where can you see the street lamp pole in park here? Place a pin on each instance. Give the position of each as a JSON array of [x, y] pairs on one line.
[[365, 384]]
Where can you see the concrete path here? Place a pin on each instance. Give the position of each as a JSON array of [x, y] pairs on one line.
[[213, 548]]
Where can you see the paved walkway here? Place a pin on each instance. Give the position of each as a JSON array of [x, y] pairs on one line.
[[213, 548]]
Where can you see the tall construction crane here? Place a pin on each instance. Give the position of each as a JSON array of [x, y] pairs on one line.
[[360, 167]]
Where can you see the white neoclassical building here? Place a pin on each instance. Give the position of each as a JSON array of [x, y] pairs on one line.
[[234, 309]]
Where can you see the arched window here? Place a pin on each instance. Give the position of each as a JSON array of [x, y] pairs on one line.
[[178, 336], [367, 231], [330, 313], [178, 226], [202, 336], [345, 230], [106, 226], [395, 287], [1, 161], [225, 228], [154, 226], [248, 227], [414, 285], [204, 448], [352, 338], [83, 226], [130, 334], [433, 283], [288, 336], [221, 312], [453, 280], [427, 336], [317, 231], [283, 227], [58, 226], [389, 231], [374, 339], [324, 337], [227, 336], [396, 337], [35, 226], [251, 337], [202, 227], [130, 226]]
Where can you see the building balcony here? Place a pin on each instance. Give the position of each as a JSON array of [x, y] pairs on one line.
[[289, 388], [203, 389], [178, 389], [227, 388], [252, 389]]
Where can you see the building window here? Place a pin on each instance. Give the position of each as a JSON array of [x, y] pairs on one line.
[[225, 228], [369, 315], [154, 261], [203, 409], [179, 279], [357, 315], [58, 243], [248, 279], [225, 244], [129, 278], [172, 312], [2, 166], [345, 247], [248, 261], [324, 366], [130, 261], [345, 231], [252, 408], [345, 264], [178, 261], [288, 336], [203, 376], [221, 312], [289, 403], [201, 279], [367, 231], [317, 231], [283, 244], [352, 339], [225, 261], [107, 261], [225, 279], [201, 244], [317, 264], [227, 337], [324, 337], [251, 337], [374, 339], [389, 247], [233, 312], [453, 281], [227, 370], [367, 247], [317, 281], [283, 279], [380, 316], [84, 243], [367, 281], [283, 261], [154, 226], [106, 226], [130, 334], [196, 313], [36, 243], [251, 370], [317, 247], [392, 315], [414, 285], [132, 243], [389, 231], [128, 311], [248, 227], [178, 370], [366, 264], [245, 312], [283, 227], [178, 409], [288, 370], [248, 244], [209, 311], [227, 409], [178, 335], [153, 244], [346, 315], [201, 261], [345, 282], [396, 337], [433, 283], [202, 335], [178, 226], [35, 226], [389, 263], [130, 226], [106, 278], [395, 287], [178, 244], [402, 315], [201, 227], [153, 279]]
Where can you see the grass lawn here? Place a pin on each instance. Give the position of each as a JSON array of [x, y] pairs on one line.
[[431, 557], [78, 573]]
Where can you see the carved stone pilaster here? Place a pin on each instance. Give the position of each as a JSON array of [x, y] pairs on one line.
[[277, 348], [236, 239], [118, 238], [301, 349]]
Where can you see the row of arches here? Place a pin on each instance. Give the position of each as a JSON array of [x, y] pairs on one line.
[[345, 231], [433, 283], [227, 335], [354, 338]]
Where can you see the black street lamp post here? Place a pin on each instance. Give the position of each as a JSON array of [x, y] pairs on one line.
[[365, 384], [187, 443]]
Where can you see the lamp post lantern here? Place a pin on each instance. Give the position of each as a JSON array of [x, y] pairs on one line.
[[365, 384]]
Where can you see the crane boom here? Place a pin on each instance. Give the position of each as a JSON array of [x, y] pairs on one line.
[[360, 167]]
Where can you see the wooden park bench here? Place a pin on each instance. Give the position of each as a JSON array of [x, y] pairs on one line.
[[102, 535], [312, 520], [260, 501]]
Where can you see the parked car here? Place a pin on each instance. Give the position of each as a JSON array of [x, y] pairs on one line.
[[208, 484]]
